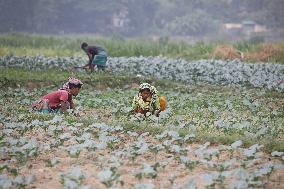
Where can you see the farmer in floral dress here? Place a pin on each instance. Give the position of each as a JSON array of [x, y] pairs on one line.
[[97, 56], [147, 100], [59, 101]]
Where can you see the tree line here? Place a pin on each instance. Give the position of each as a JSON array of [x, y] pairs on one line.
[[135, 17]]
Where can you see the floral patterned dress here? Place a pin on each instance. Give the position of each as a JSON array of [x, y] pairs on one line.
[[151, 104]]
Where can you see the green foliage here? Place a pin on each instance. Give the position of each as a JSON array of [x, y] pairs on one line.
[[214, 129], [138, 17], [51, 45], [196, 23], [211, 113], [15, 77]]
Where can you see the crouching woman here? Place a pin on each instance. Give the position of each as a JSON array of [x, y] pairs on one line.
[[147, 100], [61, 100]]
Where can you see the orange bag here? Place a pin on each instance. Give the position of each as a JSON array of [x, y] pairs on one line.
[[163, 103]]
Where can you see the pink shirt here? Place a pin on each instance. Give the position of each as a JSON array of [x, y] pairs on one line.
[[56, 97]]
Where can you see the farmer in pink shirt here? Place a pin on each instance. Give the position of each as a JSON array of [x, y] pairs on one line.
[[60, 100]]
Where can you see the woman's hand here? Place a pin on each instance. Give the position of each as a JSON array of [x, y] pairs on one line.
[[157, 112], [63, 107]]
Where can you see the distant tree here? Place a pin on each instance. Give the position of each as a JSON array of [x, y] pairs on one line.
[[165, 14], [178, 17], [45, 16], [266, 12], [96, 15], [274, 13], [195, 23], [16, 15], [219, 10], [141, 14]]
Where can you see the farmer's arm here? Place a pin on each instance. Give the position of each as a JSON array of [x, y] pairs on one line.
[[63, 107], [72, 105], [157, 113], [157, 107], [63, 99], [87, 65], [91, 57], [134, 104], [90, 65]]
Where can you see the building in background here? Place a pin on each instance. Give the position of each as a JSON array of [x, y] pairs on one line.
[[247, 28], [120, 19]]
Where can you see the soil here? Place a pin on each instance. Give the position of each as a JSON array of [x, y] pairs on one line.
[[170, 172]]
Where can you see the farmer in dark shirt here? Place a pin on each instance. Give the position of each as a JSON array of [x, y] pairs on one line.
[[97, 56]]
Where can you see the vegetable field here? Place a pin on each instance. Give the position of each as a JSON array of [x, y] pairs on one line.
[[223, 127]]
